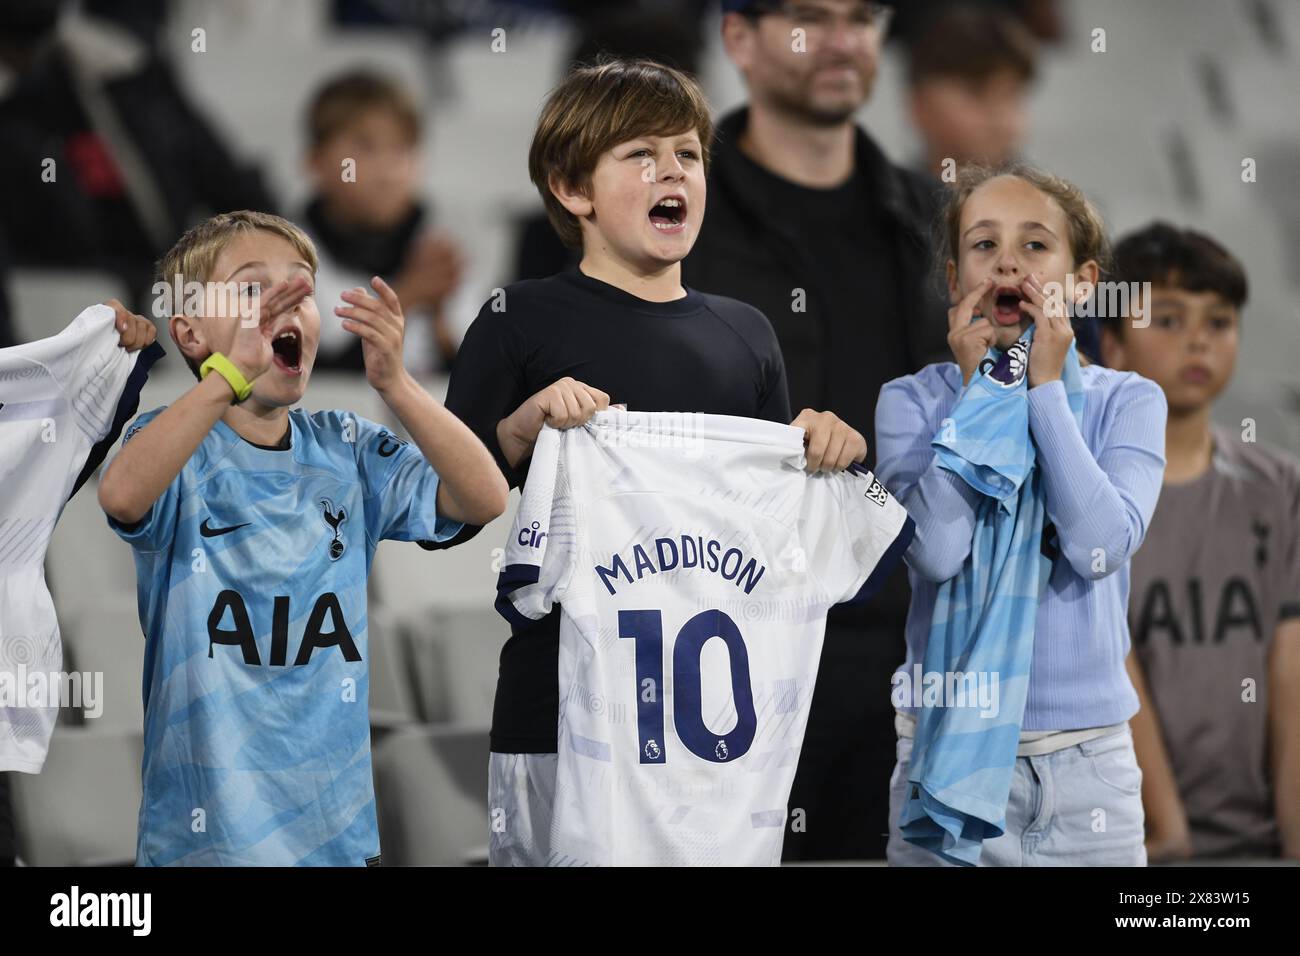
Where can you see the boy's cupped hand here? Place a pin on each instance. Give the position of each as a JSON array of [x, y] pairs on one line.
[[134, 331], [251, 350], [379, 323]]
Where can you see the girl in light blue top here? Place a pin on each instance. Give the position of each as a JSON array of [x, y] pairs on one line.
[[1024, 249]]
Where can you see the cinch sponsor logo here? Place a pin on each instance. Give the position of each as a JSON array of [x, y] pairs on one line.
[[102, 909], [533, 536]]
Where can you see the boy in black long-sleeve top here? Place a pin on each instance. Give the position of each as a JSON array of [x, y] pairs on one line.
[[619, 160]]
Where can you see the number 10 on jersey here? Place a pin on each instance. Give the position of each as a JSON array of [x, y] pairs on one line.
[[646, 629]]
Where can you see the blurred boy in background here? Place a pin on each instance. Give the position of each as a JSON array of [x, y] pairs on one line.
[[366, 217], [1215, 603], [969, 77]]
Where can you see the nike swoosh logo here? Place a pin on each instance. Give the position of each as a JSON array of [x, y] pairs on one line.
[[209, 532]]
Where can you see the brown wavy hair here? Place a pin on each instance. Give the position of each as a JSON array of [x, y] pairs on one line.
[[1087, 230], [597, 107]]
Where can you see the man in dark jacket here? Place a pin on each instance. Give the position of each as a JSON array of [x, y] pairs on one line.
[[810, 222]]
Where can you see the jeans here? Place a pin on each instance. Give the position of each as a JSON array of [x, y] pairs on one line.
[[1080, 806]]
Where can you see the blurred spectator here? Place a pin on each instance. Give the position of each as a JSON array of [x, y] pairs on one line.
[[365, 216], [1042, 18], [667, 33], [105, 162], [968, 76], [1215, 602], [809, 221]]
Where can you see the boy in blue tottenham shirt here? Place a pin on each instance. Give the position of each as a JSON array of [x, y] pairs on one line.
[[253, 528]]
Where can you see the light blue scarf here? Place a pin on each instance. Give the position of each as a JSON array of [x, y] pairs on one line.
[[983, 625]]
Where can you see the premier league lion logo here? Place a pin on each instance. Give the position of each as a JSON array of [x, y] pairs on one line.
[[1009, 368]]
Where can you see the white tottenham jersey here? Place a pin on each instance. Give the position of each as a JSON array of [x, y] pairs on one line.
[[694, 562], [63, 401]]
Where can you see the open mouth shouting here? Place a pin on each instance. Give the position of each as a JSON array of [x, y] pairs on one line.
[[1006, 305], [669, 214], [286, 348]]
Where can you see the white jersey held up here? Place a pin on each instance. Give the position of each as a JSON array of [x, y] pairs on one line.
[[63, 401], [694, 562]]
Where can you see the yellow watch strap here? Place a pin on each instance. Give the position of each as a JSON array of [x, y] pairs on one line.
[[216, 362]]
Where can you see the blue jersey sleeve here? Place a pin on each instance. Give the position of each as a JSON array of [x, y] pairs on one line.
[[156, 529], [400, 488]]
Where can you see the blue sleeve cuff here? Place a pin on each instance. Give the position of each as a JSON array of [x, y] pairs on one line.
[[1051, 421], [1049, 397], [445, 528]]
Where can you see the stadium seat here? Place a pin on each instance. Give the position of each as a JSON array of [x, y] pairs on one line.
[[410, 580], [392, 689], [106, 639], [82, 809], [429, 789], [453, 659], [45, 301], [87, 564]]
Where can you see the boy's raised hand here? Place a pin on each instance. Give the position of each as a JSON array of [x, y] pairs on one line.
[[251, 349], [380, 325], [134, 331], [970, 341], [830, 443]]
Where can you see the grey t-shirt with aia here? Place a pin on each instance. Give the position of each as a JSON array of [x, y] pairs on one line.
[[1218, 571]]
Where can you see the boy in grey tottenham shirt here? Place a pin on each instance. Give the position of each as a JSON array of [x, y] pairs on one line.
[[1215, 603]]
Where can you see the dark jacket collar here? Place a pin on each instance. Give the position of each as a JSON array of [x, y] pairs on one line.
[[381, 252], [896, 191]]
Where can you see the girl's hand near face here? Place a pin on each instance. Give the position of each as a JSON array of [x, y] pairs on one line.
[[1053, 333], [969, 340]]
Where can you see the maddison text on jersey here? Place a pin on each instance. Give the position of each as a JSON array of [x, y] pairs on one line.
[[685, 552]]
